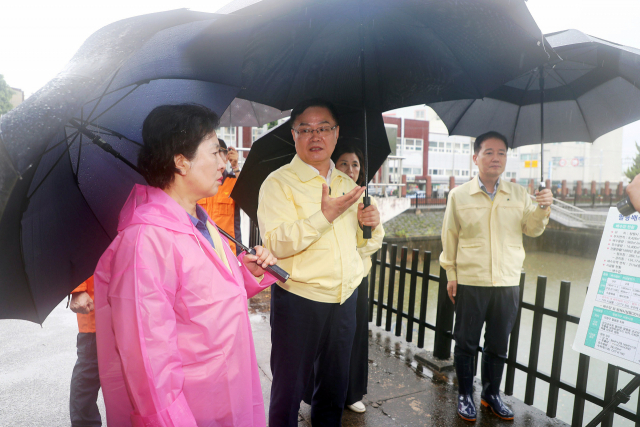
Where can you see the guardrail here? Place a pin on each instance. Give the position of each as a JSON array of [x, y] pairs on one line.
[[414, 313]]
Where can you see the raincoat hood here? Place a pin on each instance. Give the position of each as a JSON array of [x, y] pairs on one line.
[[148, 205]]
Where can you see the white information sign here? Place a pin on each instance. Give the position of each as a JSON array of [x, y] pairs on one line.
[[609, 327]]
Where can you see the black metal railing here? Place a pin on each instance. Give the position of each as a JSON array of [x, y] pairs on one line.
[[419, 281]]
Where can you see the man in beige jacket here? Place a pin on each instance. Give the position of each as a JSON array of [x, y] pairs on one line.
[[483, 254]]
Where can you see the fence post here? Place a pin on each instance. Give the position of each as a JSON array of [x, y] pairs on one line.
[[444, 320], [610, 387], [513, 344], [558, 348], [534, 349]]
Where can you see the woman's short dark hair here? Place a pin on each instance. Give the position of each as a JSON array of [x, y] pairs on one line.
[[477, 145], [170, 130], [313, 102], [349, 146]]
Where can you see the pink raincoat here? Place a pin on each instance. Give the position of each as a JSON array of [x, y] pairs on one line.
[[174, 341]]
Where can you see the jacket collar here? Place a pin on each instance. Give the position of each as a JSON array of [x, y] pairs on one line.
[[475, 187], [304, 171]]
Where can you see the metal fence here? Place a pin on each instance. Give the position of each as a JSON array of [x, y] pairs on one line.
[[383, 277]]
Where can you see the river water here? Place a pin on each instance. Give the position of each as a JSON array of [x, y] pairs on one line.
[[556, 267]]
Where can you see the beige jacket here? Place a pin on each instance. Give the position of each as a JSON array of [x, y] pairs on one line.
[[482, 239]]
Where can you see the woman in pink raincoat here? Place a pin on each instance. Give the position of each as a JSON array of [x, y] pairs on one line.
[[174, 340]]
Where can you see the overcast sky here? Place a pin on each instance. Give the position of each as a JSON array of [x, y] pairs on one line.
[[39, 37]]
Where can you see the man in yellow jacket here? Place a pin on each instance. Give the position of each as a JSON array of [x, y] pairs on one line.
[[482, 253], [310, 218]]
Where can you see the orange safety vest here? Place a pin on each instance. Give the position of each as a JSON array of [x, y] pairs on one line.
[[221, 208], [86, 322]]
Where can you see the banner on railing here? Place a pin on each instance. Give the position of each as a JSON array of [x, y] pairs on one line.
[[609, 327]]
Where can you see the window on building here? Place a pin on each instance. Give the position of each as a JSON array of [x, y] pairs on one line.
[[228, 135], [474, 173], [555, 161], [257, 133], [448, 172], [457, 148], [433, 146], [510, 174], [530, 156], [580, 160], [448, 150], [465, 148], [420, 114], [512, 152], [441, 147], [412, 144]]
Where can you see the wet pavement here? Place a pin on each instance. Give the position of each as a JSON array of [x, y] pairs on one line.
[[401, 392], [36, 365]]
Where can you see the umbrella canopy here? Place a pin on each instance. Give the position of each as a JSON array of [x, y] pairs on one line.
[[251, 114], [415, 51], [277, 148], [593, 90], [65, 152]]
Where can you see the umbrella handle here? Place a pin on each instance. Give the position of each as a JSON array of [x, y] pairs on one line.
[[541, 187], [366, 230]]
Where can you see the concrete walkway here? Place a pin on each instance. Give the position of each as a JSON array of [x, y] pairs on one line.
[[36, 364], [401, 392]]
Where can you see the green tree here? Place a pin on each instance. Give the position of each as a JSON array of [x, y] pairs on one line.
[[635, 167], [5, 96], [272, 124]]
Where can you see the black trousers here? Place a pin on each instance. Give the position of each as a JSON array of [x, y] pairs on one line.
[[359, 365], [475, 305], [85, 384], [309, 336]]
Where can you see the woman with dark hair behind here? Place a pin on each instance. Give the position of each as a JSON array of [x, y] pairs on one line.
[[174, 340]]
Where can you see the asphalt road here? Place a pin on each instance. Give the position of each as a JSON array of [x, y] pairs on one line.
[[35, 370]]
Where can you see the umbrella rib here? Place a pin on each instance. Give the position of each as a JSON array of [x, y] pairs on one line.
[[111, 132], [277, 158], [112, 105], [57, 144], [579, 107], [284, 140], [473, 101], [52, 168], [515, 125], [103, 94]]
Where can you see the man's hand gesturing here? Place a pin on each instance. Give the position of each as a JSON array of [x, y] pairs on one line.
[[332, 208]]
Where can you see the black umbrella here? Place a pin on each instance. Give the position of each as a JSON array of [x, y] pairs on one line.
[[277, 148], [66, 154], [593, 90], [380, 54]]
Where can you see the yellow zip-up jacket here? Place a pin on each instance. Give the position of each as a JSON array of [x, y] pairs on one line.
[[482, 239], [324, 259]]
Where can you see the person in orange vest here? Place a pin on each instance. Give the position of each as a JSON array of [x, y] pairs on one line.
[[222, 208], [85, 380]]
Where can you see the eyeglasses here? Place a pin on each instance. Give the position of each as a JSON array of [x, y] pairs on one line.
[[322, 132], [222, 153]]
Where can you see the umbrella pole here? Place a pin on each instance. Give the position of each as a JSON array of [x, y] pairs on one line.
[[366, 230], [542, 183]]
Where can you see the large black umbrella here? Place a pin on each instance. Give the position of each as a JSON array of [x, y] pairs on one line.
[[592, 90], [66, 153], [277, 148], [380, 54]]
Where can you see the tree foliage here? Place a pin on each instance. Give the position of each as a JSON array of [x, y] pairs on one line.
[[634, 169], [5, 96]]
